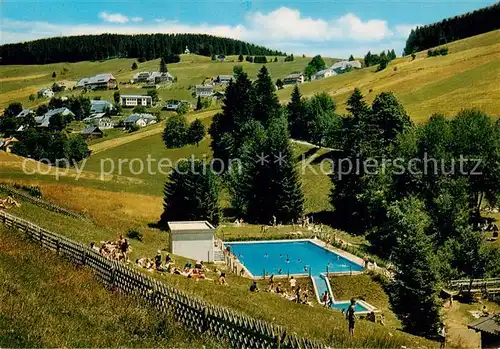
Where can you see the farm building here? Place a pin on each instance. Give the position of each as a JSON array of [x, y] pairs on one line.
[[92, 132], [342, 66], [98, 82], [322, 74], [140, 119], [204, 90], [152, 77], [192, 239], [100, 106], [44, 120], [45, 93], [135, 100], [294, 79], [223, 79]]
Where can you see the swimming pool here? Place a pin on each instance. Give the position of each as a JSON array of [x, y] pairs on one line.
[[290, 257], [358, 308]]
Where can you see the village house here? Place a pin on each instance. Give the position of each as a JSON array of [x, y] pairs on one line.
[[45, 93], [92, 132], [152, 77], [100, 106], [294, 79], [223, 79], [322, 74], [100, 120], [140, 119], [186, 51], [98, 82], [173, 104], [25, 113], [135, 100], [44, 120], [342, 66], [204, 90]]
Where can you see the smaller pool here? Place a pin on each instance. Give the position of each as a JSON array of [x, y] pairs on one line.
[[358, 308]]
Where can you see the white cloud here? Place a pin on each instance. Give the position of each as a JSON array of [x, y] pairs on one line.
[[284, 29], [288, 24], [403, 30], [113, 17]]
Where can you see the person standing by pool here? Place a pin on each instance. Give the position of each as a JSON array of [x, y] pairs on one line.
[[351, 316], [325, 299], [293, 283]]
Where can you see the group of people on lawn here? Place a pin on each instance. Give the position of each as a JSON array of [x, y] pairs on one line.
[[294, 293], [116, 250]]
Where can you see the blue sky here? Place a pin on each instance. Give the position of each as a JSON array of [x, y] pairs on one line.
[[330, 28]]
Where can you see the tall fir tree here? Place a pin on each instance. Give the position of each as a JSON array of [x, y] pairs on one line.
[[191, 193], [267, 106], [416, 276], [296, 109], [163, 66]]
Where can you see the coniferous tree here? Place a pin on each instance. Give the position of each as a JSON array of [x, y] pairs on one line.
[[351, 58], [196, 132], [266, 106], [227, 131], [416, 275], [296, 115], [191, 193], [163, 66], [199, 106], [240, 58], [54, 75], [116, 96], [134, 66], [279, 84]]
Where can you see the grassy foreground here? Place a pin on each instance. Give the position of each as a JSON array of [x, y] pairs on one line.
[[312, 322], [46, 302]]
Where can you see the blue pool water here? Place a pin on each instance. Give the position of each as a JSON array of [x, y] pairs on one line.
[[294, 257], [344, 305]]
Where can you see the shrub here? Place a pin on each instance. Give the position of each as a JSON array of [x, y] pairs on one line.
[[134, 234]]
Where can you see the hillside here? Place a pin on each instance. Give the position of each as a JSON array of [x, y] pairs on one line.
[[49, 303], [17, 82], [105, 46], [110, 215], [467, 77]]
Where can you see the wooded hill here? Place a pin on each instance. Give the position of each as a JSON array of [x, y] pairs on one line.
[[459, 27], [106, 46]]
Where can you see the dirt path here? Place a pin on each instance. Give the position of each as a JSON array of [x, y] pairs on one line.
[[27, 77]]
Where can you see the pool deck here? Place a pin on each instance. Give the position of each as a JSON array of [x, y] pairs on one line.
[[350, 257]]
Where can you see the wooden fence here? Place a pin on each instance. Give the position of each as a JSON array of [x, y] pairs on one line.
[[239, 331], [39, 202]]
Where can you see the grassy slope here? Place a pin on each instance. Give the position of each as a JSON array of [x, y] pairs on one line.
[[364, 287], [18, 82], [110, 218], [467, 77], [36, 311]]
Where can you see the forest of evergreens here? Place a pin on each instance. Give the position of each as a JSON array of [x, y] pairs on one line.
[[107, 46], [451, 29]]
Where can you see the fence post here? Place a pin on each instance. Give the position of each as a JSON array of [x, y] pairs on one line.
[[41, 238], [58, 246], [84, 257], [113, 276], [204, 319]]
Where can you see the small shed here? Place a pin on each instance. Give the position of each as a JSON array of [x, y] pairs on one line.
[[192, 239], [92, 132], [490, 331]]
